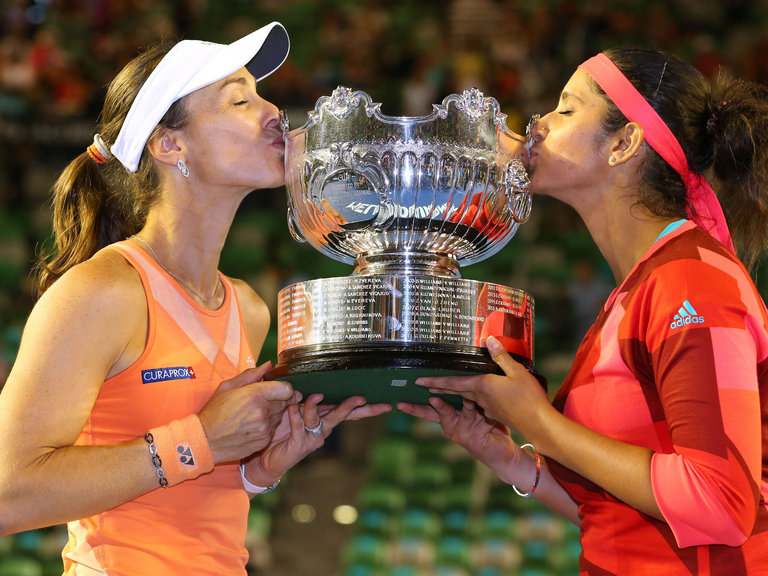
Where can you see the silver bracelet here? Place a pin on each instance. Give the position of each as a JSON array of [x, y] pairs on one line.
[[252, 488], [538, 473], [156, 459]]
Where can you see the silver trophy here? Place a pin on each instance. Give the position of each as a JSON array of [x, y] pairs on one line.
[[406, 200]]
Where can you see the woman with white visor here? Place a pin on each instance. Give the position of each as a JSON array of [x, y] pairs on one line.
[[135, 411]]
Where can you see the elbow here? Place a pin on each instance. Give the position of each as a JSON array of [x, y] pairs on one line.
[[6, 506], [704, 505], [736, 520], [17, 509], [734, 540], [720, 529], [6, 529], [725, 537], [8, 523], [735, 531], [690, 537]]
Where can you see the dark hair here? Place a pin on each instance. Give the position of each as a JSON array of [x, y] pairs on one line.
[[722, 127], [94, 204]]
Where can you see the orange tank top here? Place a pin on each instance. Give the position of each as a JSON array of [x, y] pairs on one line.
[[195, 527]]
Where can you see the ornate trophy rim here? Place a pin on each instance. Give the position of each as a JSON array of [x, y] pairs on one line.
[[343, 101], [448, 183]]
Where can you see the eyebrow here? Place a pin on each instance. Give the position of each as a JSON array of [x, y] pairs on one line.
[[237, 80], [565, 95]]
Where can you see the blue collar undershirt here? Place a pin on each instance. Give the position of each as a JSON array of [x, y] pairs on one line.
[[671, 228]]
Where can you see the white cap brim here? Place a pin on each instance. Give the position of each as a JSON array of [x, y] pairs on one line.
[[189, 66]]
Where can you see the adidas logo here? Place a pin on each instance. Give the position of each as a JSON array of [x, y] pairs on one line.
[[686, 316]]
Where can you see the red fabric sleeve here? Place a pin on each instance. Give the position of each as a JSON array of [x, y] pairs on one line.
[[705, 370]]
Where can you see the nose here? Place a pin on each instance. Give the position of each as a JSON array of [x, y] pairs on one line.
[[273, 117]]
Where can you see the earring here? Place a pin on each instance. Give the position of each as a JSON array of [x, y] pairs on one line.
[[611, 160], [182, 168]]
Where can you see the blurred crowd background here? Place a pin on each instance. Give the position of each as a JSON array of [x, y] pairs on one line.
[[56, 57]]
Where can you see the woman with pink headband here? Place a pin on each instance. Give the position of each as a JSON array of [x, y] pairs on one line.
[[656, 444], [135, 411]]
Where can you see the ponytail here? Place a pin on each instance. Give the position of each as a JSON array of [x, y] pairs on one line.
[[738, 123], [87, 216], [722, 127], [96, 200]]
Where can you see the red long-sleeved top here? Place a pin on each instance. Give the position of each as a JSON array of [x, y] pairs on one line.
[[677, 362]]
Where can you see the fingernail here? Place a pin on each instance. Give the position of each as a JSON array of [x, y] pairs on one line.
[[493, 345]]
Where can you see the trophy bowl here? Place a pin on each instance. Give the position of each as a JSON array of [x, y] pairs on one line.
[[406, 201]]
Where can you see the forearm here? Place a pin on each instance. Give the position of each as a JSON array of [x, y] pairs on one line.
[[72, 482], [548, 491], [622, 469], [48, 486], [552, 495]]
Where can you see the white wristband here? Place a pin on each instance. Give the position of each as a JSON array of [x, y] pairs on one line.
[[252, 488]]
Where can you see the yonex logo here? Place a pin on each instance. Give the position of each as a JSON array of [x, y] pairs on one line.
[[686, 316], [185, 455]]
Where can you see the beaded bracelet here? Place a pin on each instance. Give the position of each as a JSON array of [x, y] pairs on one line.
[[156, 459], [538, 473]]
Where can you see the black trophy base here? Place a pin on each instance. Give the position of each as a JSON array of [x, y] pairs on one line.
[[381, 372]]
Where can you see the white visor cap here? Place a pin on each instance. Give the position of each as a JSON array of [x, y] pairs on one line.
[[189, 66]]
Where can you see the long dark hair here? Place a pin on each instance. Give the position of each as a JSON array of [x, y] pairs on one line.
[[94, 204], [722, 127]]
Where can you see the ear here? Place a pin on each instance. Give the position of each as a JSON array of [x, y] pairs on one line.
[[630, 141], [165, 147]]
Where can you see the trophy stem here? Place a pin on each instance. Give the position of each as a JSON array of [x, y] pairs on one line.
[[409, 263]]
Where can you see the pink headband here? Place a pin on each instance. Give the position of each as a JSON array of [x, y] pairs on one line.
[[701, 197]]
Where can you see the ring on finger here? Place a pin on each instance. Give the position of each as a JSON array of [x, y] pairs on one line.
[[316, 431]]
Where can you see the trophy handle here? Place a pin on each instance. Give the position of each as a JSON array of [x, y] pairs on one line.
[[293, 229], [519, 199], [520, 206]]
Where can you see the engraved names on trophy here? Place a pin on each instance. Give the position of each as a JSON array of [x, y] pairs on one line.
[[394, 308]]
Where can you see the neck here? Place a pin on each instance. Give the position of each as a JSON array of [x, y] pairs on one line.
[[188, 249], [623, 232], [200, 295]]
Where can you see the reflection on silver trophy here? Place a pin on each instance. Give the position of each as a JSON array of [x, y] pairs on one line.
[[406, 200]]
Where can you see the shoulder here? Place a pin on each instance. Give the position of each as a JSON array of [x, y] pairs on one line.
[[693, 282], [692, 260], [251, 303], [254, 311], [95, 311], [105, 282]]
